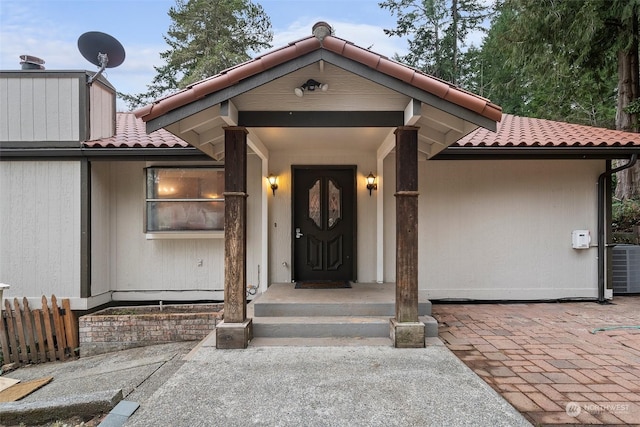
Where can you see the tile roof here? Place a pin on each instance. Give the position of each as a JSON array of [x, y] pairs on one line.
[[233, 75], [516, 131], [131, 133], [513, 131]]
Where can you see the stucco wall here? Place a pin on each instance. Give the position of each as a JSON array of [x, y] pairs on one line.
[[280, 209], [40, 228], [501, 229]]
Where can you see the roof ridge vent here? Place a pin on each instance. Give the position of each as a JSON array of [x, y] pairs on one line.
[[321, 30]]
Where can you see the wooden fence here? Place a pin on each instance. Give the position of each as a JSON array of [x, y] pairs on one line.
[[38, 335]]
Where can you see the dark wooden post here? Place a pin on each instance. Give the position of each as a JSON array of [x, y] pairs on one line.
[[406, 329], [236, 330]]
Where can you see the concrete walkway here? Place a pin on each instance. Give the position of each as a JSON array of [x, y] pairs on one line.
[[546, 360], [325, 386], [94, 384]]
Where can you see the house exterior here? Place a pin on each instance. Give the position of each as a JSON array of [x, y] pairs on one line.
[[467, 204]]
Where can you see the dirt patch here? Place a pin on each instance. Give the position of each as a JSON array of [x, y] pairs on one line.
[[156, 309]]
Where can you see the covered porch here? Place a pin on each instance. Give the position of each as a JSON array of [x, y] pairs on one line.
[[324, 105]]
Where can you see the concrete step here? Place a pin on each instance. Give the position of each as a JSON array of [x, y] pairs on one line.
[[330, 327], [322, 342], [268, 308]]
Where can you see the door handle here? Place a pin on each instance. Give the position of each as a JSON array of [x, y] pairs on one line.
[[298, 233]]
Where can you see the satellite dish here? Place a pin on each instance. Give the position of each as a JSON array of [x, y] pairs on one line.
[[102, 50]]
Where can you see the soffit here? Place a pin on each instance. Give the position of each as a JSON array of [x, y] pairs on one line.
[[347, 92]]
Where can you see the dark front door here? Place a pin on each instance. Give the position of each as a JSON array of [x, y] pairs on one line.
[[324, 225]]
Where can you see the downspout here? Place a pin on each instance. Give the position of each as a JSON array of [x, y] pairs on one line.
[[601, 226]]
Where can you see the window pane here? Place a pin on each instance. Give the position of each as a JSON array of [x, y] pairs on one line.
[[174, 216], [185, 183], [185, 199], [314, 203], [335, 204]]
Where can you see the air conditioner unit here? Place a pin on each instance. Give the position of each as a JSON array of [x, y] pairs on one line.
[[626, 269]]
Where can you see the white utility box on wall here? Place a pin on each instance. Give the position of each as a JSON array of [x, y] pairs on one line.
[[581, 239]]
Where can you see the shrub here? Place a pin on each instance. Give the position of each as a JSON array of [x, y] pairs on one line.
[[625, 215]]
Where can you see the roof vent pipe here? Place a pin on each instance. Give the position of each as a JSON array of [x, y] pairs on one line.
[[321, 30], [29, 62]]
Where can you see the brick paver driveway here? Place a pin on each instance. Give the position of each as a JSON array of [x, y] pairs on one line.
[[546, 360]]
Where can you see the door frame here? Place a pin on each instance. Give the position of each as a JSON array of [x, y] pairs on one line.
[[354, 207]]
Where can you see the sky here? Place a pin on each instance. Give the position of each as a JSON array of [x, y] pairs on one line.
[[49, 29]]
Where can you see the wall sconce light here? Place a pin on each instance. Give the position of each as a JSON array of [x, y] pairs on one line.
[[310, 85], [371, 182], [273, 182]]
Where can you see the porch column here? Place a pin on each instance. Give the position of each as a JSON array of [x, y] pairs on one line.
[[236, 330], [406, 329]]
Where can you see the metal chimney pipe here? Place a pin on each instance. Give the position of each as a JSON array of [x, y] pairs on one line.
[[29, 62]]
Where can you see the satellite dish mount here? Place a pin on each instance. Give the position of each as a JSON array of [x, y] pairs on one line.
[[102, 50]]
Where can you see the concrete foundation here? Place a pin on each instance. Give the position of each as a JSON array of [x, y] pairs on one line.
[[234, 335], [407, 334]]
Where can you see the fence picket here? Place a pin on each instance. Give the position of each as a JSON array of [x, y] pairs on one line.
[[37, 318], [70, 326], [29, 331], [24, 354], [61, 340], [13, 354], [37, 335], [46, 316], [4, 341]]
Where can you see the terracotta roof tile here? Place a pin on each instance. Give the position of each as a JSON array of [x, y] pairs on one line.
[[516, 131], [513, 131], [334, 44], [131, 133]]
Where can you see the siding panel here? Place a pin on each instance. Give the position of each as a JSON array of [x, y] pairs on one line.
[[4, 109], [139, 265], [102, 114], [36, 108], [40, 233], [100, 227]]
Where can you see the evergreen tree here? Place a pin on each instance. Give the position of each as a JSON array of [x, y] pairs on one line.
[[437, 30], [206, 37], [577, 61], [536, 77]]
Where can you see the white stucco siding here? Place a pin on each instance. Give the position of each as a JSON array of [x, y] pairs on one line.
[[280, 163], [494, 230], [40, 228], [165, 268]]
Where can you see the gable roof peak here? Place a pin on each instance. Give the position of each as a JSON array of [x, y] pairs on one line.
[[323, 40]]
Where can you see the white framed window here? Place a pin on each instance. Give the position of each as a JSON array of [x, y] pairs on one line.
[[184, 199]]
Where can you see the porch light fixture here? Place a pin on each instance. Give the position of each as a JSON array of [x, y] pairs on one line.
[[371, 182], [310, 85], [273, 182]]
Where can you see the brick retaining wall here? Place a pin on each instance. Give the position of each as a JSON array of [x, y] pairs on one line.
[[104, 331]]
